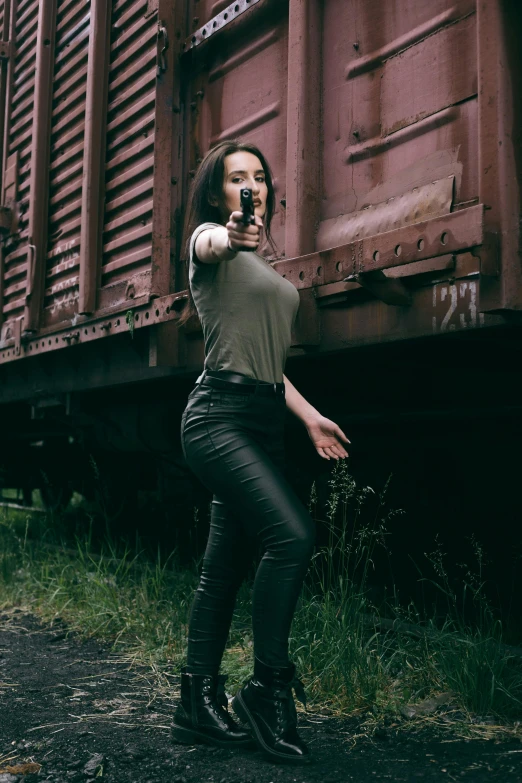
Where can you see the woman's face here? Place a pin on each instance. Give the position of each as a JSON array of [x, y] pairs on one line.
[[244, 170]]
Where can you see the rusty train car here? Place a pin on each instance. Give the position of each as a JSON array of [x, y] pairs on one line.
[[393, 130]]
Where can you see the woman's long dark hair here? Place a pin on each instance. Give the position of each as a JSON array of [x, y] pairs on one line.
[[208, 186]]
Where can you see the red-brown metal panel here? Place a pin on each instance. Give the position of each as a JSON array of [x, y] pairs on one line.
[[5, 17], [237, 88], [165, 154], [360, 106], [67, 150], [129, 184], [94, 156], [5, 66], [399, 100], [37, 218], [303, 191], [499, 26], [18, 139]]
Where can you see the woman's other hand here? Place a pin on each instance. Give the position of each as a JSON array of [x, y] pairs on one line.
[[327, 438], [241, 237]]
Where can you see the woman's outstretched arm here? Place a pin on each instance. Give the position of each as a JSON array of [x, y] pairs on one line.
[[326, 436]]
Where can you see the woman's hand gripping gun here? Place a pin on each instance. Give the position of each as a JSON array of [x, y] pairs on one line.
[[244, 227]]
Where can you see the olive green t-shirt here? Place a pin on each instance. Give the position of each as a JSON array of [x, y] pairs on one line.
[[247, 312]]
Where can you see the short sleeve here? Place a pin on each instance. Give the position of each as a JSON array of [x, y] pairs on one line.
[[203, 227]]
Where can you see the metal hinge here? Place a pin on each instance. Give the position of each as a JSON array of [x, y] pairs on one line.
[[163, 45], [6, 50]]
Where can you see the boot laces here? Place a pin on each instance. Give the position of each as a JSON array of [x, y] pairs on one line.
[[285, 692], [286, 713]]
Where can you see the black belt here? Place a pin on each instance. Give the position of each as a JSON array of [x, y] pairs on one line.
[[225, 379]]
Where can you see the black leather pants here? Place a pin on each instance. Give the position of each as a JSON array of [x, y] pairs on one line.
[[233, 441]]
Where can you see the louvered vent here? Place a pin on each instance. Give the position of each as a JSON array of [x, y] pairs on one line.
[[20, 140], [130, 147], [67, 136]]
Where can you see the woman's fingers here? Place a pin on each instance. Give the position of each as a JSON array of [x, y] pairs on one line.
[[243, 240], [240, 228], [331, 452], [241, 236], [252, 234]]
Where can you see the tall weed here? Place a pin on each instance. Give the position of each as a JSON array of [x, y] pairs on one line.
[[357, 648]]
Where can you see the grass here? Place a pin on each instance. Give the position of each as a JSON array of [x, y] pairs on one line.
[[357, 655]]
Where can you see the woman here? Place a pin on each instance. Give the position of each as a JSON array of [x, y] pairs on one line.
[[232, 437]]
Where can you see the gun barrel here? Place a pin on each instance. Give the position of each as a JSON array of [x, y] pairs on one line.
[[247, 205]]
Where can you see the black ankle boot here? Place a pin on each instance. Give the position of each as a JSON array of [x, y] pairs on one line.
[[267, 704], [202, 715]]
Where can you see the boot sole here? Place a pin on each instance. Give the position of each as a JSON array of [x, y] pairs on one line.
[[190, 737], [242, 711]]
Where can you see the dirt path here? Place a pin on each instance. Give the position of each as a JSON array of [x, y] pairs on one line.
[[81, 714]]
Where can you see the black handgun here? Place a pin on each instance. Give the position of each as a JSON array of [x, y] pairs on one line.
[[247, 205]]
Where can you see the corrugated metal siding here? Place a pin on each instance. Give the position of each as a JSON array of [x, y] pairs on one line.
[[127, 243], [20, 139], [67, 135]]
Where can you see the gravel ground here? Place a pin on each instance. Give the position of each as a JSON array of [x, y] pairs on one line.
[[72, 711]]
